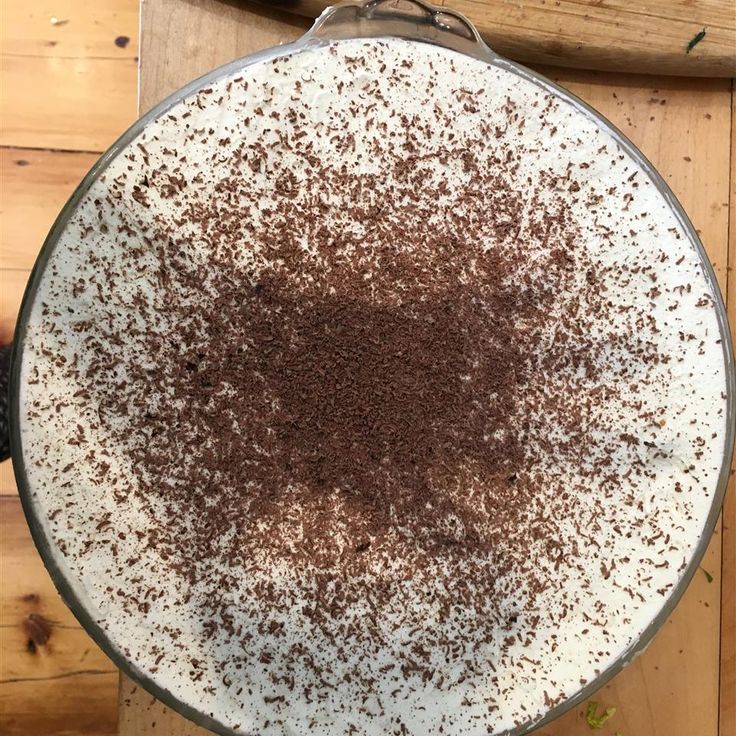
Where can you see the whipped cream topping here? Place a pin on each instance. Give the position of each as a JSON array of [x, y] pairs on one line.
[[373, 389]]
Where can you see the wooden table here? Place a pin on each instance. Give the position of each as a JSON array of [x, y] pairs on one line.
[[685, 683]]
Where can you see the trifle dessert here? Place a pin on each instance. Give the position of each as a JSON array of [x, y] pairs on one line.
[[373, 389]]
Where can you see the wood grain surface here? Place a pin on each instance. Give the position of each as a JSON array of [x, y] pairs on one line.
[[7, 484], [12, 286], [53, 679], [728, 558], [70, 85], [684, 127], [613, 35], [36, 183], [80, 30], [83, 112]]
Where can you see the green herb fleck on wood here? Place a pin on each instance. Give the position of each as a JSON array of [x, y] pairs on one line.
[[695, 40], [708, 576], [594, 720]]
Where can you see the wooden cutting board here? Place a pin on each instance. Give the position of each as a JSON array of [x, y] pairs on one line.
[[641, 36], [684, 127]]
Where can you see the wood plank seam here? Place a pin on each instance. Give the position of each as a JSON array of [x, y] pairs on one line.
[[727, 659], [46, 149], [62, 676], [75, 57]]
